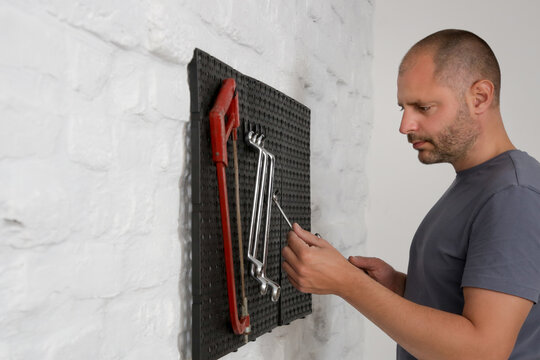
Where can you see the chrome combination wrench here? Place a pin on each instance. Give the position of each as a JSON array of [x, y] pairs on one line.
[[265, 175], [275, 199], [263, 195]]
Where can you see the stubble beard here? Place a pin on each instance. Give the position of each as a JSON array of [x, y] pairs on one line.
[[453, 143]]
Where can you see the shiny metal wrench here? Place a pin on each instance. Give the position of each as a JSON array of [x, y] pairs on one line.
[[276, 289], [258, 269], [275, 199]]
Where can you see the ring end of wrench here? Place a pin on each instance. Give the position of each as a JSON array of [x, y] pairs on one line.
[[275, 294], [263, 288]]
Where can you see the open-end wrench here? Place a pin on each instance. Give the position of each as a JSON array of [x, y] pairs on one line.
[[275, 199], [265, 173], [257, 270], [276, 289], [253, 139], [256, 267]]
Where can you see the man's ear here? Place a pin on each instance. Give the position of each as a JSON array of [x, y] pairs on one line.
[[481, 95]]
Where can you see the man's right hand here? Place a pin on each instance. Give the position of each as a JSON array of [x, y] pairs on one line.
[[381, 272]]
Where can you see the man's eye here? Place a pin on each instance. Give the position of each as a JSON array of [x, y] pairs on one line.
[[424, 108], [401, 108]]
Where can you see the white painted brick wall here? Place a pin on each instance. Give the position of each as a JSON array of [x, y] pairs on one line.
[[94, 165]]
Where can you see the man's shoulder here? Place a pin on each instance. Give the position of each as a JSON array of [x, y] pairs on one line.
[[526, 169], [511, 169]]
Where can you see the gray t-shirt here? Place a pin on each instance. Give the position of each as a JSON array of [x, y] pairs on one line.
[[484, 232]]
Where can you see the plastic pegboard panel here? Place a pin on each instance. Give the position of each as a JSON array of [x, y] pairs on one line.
[[285, 123]]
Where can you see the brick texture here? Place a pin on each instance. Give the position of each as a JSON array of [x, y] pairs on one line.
[[95, 165]]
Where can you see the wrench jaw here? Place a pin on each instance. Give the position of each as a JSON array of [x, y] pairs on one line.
[[263, 285], [256, 267], [255, 272], [276, 291]]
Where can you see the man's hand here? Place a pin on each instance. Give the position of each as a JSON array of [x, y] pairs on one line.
[[313, 265], [381, 272]]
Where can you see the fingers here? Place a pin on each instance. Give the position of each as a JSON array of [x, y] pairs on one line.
[[297, 285], [306, 236], [293, 277], [291, 273], [296, 244], [293, 255], [289, 256], [295, 250], [363, 262], [289, 267]]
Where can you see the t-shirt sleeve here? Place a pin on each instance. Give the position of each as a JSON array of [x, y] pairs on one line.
[[504, 245]]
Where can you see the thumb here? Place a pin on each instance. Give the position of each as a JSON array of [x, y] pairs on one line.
[[305, 235]]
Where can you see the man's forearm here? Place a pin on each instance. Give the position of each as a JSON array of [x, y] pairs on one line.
[[424, 332], [399, 286], [487, 329]]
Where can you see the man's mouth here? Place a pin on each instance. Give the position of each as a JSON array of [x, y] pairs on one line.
[[418, 144]]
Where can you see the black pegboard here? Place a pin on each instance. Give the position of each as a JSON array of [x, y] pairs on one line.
[[285, 122]]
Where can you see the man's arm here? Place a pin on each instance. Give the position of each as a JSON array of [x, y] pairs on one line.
[[381, 272], [487, 328]]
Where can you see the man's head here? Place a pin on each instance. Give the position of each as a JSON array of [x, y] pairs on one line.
[[443, 81], [461, 58]]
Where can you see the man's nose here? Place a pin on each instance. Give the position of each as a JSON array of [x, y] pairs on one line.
[[408, 123]]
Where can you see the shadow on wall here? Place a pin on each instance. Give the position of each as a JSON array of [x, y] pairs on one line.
[[184, 235]]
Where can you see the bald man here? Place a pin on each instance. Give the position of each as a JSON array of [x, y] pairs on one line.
[[474, 266]]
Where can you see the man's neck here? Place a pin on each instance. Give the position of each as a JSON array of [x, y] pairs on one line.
[[492, 141]]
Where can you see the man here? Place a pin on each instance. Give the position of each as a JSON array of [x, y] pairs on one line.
[[474, 267]]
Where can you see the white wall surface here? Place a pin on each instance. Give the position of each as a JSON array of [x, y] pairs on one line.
[[94, 166], [401, 189]]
